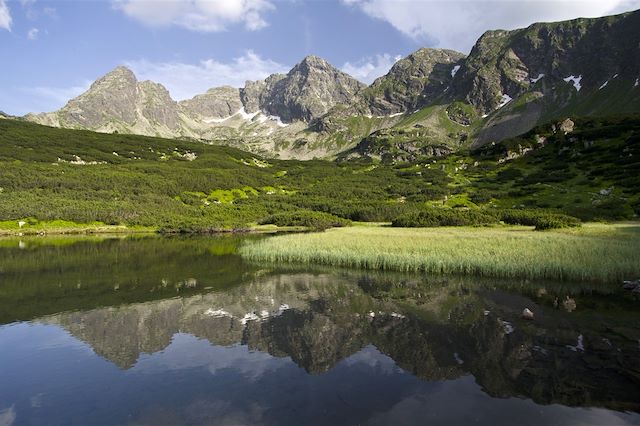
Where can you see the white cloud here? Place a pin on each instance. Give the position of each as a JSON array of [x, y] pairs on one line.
[[5, 16], [458, 24], [197, 15], [32, 34], [368, 69], [7, 416], [186, 80]]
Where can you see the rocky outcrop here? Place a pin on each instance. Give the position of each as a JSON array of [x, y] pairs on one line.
[[413, 82], [217, 103]]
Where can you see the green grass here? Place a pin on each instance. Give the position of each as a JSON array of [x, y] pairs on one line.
[[596, 252]]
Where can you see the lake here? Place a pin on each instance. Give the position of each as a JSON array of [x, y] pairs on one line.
[[175, 330]]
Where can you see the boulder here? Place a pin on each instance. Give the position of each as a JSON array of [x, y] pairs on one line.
[[631, 285]]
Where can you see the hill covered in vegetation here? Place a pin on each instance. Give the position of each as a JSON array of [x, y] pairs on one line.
[[587, 169]]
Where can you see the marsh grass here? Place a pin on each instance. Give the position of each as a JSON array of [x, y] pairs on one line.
[[594, 253]]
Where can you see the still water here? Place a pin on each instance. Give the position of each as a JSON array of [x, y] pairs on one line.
[[182, 331]]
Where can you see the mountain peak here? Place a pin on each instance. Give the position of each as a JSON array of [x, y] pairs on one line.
[[313, 59], [121, 71], [309, 90], [118, 78], [313, 62]]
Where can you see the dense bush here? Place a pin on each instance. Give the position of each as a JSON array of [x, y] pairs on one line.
[[306, 218], [444, 217], [541, 219]]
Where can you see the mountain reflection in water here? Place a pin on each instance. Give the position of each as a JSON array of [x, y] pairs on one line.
[[182, 331]]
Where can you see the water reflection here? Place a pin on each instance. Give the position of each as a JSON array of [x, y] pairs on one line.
[[182, 331]]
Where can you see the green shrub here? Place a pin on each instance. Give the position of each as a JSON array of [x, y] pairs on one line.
[[306, 218], [443, 217], [541, 219]]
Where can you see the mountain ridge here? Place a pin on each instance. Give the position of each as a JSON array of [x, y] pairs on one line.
[[510, 82]]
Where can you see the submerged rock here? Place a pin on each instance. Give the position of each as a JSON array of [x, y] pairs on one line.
[[569, 304]]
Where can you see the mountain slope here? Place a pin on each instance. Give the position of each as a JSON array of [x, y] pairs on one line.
[[515, 80], [413, 82], [525, 77]]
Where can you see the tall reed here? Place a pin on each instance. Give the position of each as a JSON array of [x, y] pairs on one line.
[[596, 253]]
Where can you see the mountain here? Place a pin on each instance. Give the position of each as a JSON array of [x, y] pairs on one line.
[[118, 102], [515, 80], [258, 116], [216, 104], [549, 70], [431, 103], [413, 82], [309, 90]]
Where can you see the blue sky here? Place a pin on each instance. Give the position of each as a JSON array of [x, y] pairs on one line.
[[53, 50]]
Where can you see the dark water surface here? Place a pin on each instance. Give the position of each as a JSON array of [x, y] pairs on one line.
[[173, 331]]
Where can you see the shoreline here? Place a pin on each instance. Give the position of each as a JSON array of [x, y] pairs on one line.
[[125, 230]]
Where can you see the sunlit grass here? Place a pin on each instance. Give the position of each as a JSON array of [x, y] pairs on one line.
[[595, 252]]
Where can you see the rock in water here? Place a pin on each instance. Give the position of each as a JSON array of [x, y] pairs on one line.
[[631, 285], [527, 314], [569, 304]]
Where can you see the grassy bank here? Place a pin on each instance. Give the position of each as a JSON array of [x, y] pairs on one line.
[[59, 227], [30, 226], [595, 252]]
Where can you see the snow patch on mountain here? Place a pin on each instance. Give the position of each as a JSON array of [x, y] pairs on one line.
[[575, 80], [245, 115], [504, 100], [535, 80]]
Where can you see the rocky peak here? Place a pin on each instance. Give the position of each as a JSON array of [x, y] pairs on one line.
[[309, 90], [118, 78], [310, 63]]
